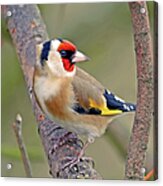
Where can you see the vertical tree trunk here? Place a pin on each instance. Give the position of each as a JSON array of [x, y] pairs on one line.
[[145, 97]]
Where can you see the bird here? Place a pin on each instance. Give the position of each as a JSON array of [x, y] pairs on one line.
[[70, 96]]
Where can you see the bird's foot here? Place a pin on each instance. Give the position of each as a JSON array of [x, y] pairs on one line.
[[72, 161]]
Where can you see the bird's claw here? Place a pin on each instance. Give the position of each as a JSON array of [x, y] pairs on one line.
[[74, 161]]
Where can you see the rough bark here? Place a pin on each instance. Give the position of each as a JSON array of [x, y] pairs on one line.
[[27, 29], [145, 94]]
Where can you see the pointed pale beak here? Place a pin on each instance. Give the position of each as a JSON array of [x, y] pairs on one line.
[[79, 57]]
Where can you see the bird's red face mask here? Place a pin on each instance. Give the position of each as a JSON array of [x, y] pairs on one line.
[[70, 55]]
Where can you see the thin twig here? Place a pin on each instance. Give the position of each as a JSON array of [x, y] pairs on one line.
[[17, 126], [145, 98], [149, 175]]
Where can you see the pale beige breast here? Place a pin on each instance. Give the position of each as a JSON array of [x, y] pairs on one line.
[[54, 95], [61, 104]]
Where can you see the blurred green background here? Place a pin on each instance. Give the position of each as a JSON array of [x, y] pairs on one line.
[[103, 31]]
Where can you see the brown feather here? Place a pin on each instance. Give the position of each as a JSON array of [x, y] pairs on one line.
[[87, 87], [59, 105]]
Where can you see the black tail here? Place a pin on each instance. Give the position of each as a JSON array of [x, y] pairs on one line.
[[114, 102]]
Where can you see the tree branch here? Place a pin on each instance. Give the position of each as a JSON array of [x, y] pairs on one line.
[[27, 29], [17, 126], [145, 97]]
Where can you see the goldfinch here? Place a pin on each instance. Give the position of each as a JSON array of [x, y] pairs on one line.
[[70, 96]]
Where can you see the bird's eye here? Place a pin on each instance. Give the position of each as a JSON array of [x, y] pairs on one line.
[[63, 53]]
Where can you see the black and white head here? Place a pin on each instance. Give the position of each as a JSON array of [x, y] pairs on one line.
[[60, 56]]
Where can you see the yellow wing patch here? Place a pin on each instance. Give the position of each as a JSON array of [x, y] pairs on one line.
[[105, 111]]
